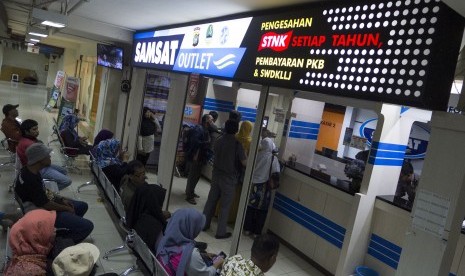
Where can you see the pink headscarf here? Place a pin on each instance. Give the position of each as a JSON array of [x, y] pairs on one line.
[[31, 239]]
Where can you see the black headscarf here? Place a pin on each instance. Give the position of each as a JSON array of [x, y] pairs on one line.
[[147, 126]]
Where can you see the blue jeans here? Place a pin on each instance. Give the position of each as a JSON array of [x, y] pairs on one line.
[[79, 227], [57, 173]]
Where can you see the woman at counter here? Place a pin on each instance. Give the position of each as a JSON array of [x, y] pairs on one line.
[[260, 196]]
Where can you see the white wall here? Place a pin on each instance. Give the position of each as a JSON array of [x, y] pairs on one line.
[[307, 111], [23, 59]]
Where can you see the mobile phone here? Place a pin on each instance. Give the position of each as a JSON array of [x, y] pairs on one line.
[[218, 257]]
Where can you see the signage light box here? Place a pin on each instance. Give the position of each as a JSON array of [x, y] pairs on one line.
[[400, 52]]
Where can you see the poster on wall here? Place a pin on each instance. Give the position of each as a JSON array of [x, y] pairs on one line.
[[56, 90], [156, 93], [71, 89], [358, 142], [388, 51], [66, 107]]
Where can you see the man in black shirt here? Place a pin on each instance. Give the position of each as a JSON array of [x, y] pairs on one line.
[[30, 189]]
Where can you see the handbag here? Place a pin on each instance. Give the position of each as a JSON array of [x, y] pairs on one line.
[[273, 180]]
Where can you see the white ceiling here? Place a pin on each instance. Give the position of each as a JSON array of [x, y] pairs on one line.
[[114, 21]]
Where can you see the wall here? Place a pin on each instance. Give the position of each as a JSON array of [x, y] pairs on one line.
[[303, 130], [23, 59], [1, 57]]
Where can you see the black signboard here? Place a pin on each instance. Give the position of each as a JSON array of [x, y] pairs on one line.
[[401, 52]]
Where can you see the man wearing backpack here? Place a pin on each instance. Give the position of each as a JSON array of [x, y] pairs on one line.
[[197, 154]]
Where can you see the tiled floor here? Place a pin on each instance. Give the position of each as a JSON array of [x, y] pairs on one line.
[[105, 236]]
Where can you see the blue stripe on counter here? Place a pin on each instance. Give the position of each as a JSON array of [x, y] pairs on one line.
[[248, 113], [304, 124], [303, 136], [246, 109], [384, 250], [309, 219]]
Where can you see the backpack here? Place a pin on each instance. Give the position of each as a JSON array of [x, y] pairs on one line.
[[192, 135]]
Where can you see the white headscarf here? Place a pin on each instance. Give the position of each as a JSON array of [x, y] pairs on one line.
[[263, 161]]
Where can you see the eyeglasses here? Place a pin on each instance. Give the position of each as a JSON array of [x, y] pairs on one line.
[[139, 174]]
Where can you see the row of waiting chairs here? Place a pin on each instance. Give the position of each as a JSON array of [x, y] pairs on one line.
[[133, 241]]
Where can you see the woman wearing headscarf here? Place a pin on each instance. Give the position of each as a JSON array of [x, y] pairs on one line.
[[176, 250], [70, 136], [111, 160], [260, 195], [31, 240], [102, 135], [149, 126], [244, 135]]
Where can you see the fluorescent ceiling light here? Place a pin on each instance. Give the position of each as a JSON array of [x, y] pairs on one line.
[[49, 18], [53, 24], [37, 32], [34, 39]]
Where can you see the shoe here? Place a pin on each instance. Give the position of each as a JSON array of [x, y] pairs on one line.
[[191, 201], [196, 195], [225, 236]]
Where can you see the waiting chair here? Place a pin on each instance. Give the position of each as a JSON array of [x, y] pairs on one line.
[[14, 77], [6, 142], [92, 181], [70, 155]]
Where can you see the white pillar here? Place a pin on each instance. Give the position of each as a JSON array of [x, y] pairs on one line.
[[443, 174]]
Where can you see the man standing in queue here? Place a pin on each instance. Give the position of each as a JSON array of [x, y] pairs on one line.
[[229, 156]]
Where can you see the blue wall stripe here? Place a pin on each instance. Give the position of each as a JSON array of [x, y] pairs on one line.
[[386, 252], [303, 136], [387, 154], [304, 130], [316, 223], [246, 109], [385, 162], [212, 100], [304, 124], [387, 146], [215, 108], [230, 106]]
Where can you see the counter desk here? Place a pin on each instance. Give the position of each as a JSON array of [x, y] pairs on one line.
[[310, 212], [391, 223]]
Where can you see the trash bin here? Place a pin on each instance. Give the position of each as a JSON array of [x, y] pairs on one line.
[[365, 271]]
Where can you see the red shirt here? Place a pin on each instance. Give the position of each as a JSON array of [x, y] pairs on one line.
[[24, 143], [10, 128]]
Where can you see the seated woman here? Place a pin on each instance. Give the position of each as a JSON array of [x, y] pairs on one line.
[[111, 160], [70, 136], [102, 135], [143, 203], [31, 240], [176, 250]]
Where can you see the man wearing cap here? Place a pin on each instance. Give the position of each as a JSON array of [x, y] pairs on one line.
[[30, 132], [29, 188], [10, 127]]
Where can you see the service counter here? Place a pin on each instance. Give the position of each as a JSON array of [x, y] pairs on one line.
[[310, 212], [391, 222]]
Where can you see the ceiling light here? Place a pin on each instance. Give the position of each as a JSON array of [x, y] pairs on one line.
[[30, 44], [49, 18], [37, 32], [34, 39]]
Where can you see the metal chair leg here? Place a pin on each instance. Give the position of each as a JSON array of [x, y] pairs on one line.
[[114, 250], [129, 270], [88, 183]]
